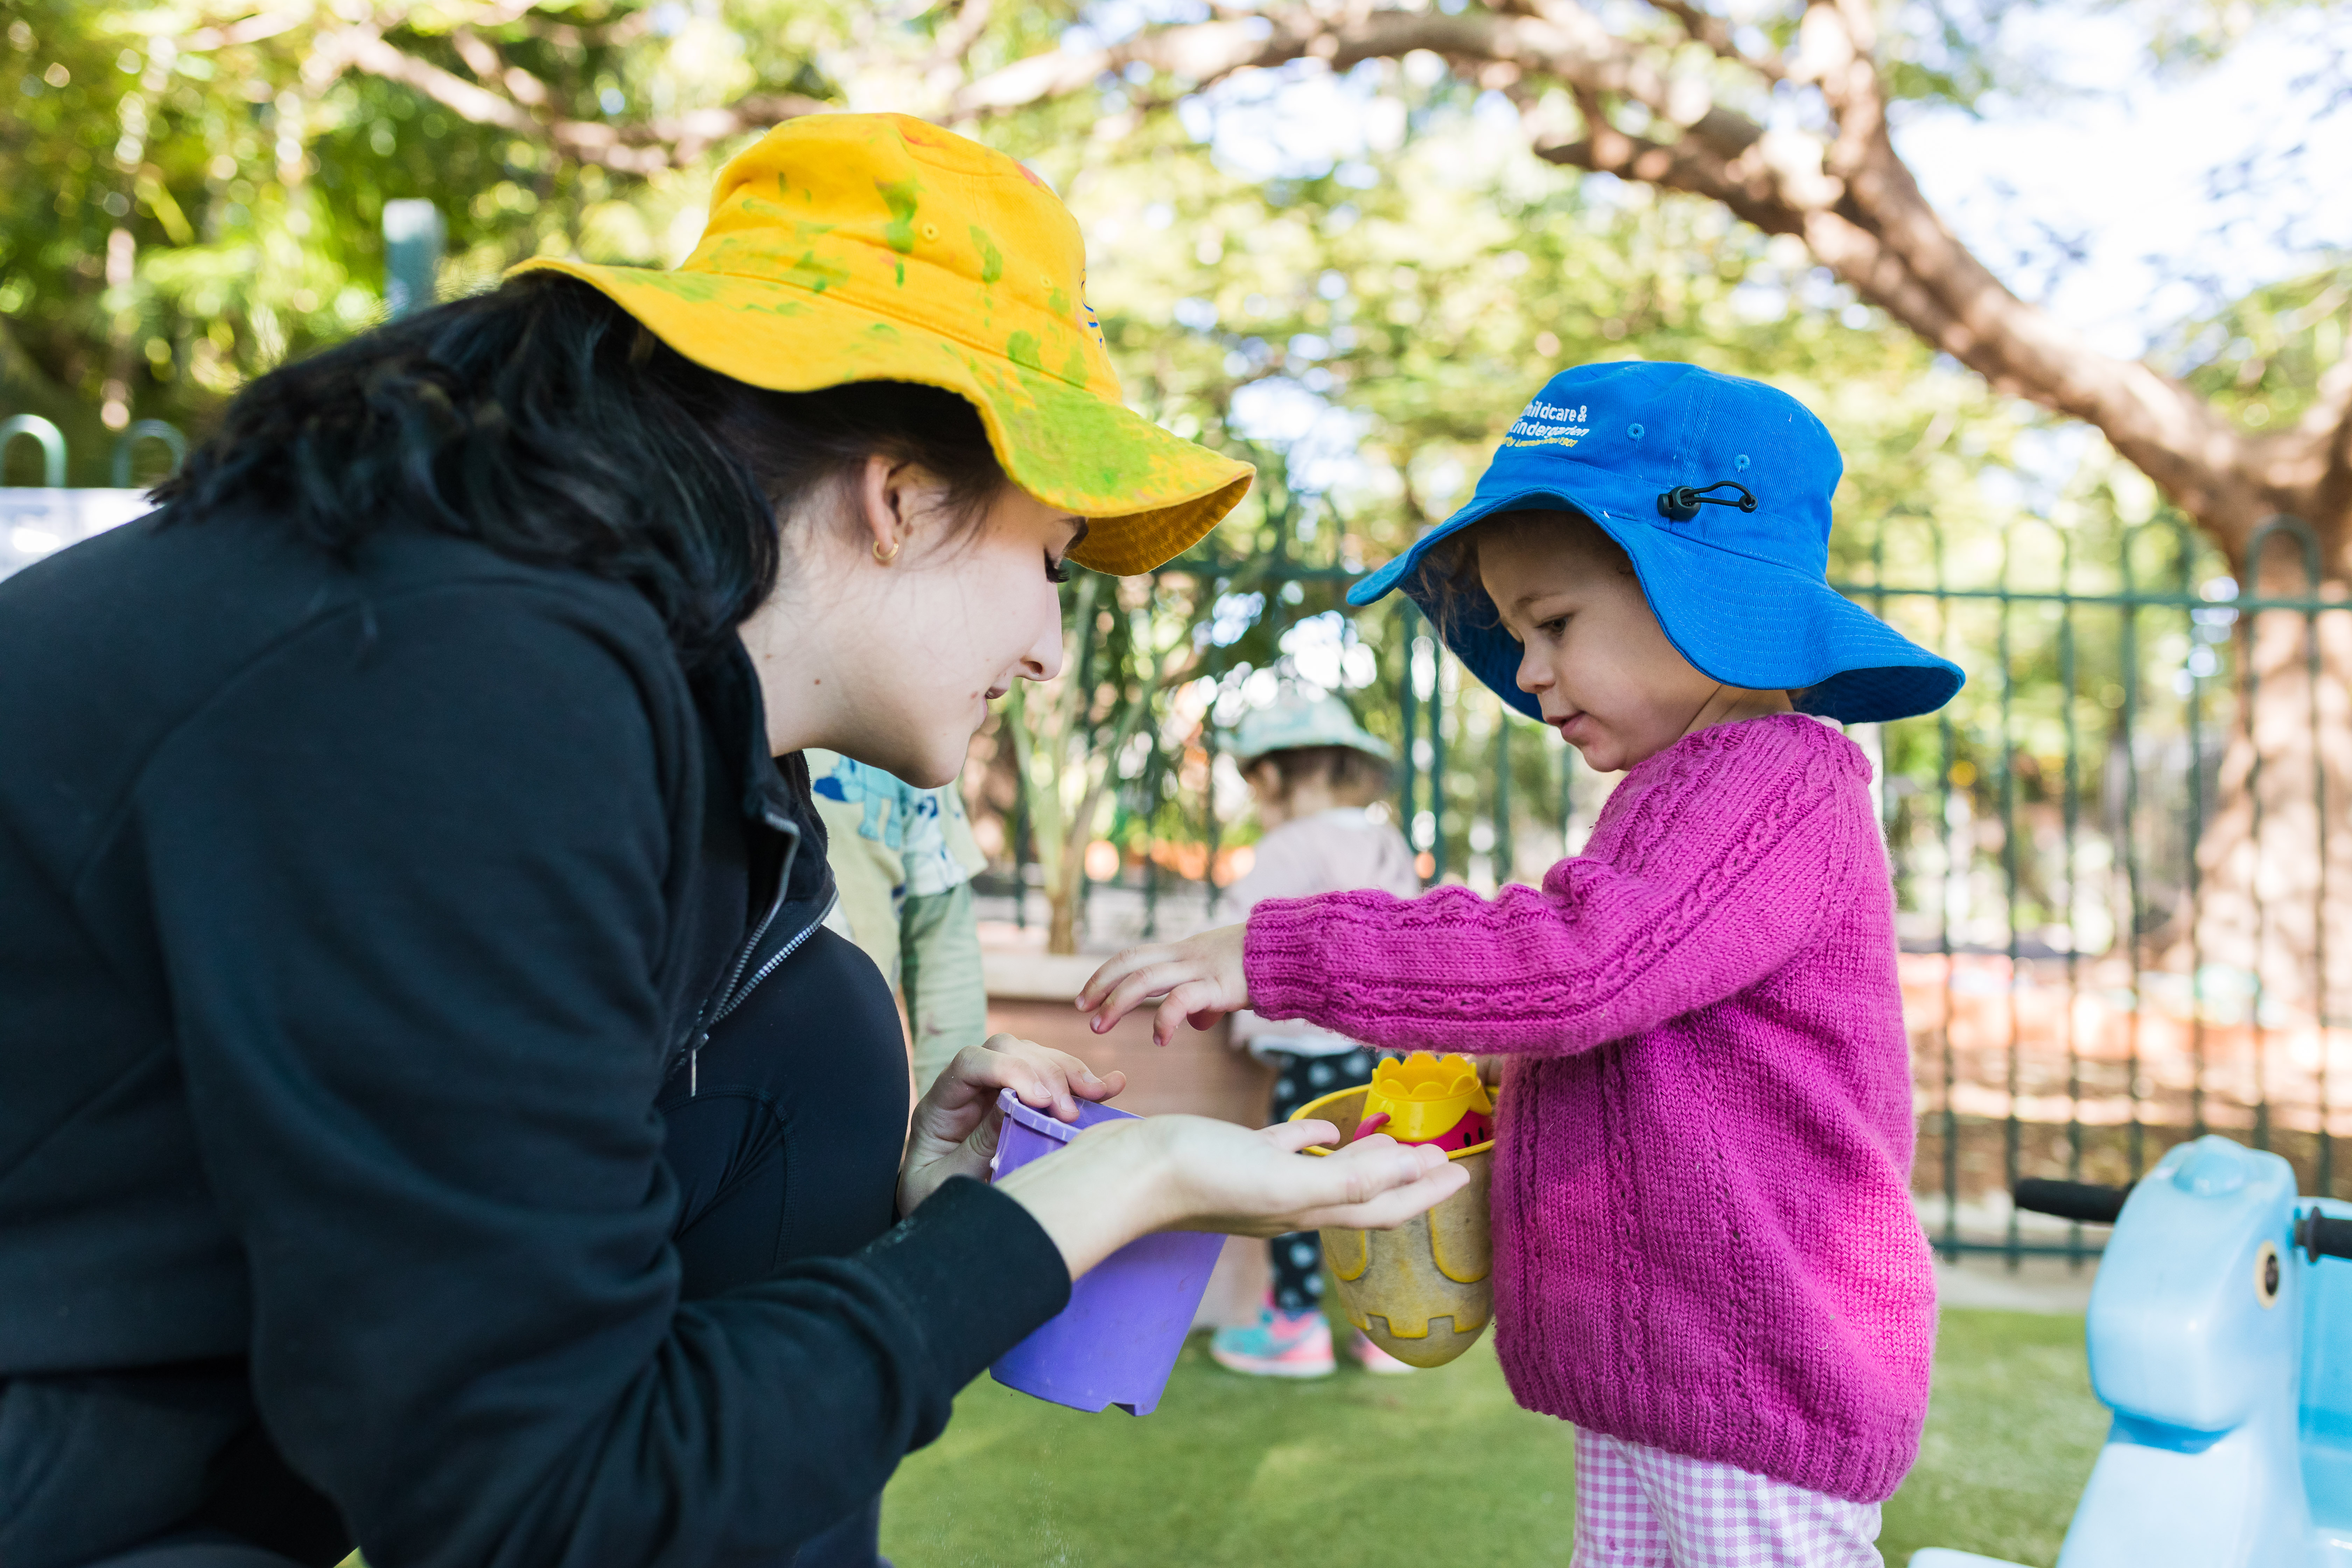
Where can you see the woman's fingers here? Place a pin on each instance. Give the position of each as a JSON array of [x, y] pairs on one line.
[[1374, 1164], [1389, 1209], [1044, 1078], [1036, 1076], [1290, 1137], [1360, 1183], [1123, 1179]]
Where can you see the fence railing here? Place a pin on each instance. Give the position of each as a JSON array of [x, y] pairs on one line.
[[2114, 854], [2078, 997], [39, 519]]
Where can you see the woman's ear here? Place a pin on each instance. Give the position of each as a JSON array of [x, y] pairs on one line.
[[880, 504], [893, 498]]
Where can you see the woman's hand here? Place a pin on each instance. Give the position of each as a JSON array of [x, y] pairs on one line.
[[1247, 1182], [1201, 976], [955, 1125], [1126, 1179]]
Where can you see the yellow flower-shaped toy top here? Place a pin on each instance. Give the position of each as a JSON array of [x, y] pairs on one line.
[[1423, 1098]]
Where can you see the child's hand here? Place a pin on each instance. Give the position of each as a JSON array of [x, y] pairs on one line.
[[1201, 976], [954, 1128]]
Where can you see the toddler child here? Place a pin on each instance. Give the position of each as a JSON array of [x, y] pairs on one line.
[[1315, 771], [1705, 1253]]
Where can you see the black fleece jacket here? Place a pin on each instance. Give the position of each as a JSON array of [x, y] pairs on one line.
[[350, 918]]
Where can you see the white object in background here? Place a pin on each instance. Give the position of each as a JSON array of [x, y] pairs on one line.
[[39, 521]]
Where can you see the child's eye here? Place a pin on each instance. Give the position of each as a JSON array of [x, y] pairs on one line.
[[1554, 626], [1056, 570]]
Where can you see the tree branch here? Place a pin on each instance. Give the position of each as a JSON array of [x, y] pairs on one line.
[[2327, 426], [1704, 27], [640, 147], [1853, 200]]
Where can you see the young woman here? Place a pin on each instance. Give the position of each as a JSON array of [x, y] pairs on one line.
[[431, 1112]]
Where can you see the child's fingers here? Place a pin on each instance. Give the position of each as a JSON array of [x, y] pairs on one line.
[[1136, 988], [1190, 1000], [1116, 968]]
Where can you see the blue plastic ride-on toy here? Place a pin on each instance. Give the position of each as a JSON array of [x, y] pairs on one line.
[[2221, 1339]]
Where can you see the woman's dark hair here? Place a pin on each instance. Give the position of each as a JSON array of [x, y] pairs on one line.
[[1448, 578], [541, 420], [1356, 778]]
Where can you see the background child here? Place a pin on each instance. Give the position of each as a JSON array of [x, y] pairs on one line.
[[1314, 770], [1705, 1251], [903, 859]]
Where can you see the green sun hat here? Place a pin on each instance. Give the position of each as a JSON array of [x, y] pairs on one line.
[[1293, 723]]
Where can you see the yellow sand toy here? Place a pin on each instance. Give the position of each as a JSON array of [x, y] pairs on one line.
[[1422, 1292]]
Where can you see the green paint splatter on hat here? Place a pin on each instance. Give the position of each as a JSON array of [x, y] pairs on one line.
[[1022, 349], [691, 286], [899, 232], [991, 260], [810, 273]]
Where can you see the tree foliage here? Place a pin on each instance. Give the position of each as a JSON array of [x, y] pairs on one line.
[[197, 189]]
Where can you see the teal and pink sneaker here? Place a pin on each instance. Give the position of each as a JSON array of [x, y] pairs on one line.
[[1279, 1344]]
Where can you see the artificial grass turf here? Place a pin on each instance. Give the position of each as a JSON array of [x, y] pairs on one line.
[[1439, 1466]]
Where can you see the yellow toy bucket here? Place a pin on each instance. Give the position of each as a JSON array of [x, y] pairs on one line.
[[1424, 1291]]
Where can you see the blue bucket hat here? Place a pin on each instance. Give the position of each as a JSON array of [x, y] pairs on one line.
[[1719, 490]]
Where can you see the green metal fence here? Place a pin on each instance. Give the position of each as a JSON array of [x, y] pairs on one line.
[[2052, 836], [2113, 854]]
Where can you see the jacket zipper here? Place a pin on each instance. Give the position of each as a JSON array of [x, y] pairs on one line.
[[781, 954], [731, 995]]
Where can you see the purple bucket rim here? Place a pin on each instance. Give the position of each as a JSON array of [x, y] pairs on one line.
[[1049, 1126]]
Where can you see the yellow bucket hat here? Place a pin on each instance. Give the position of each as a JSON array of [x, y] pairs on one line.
[[847, 247]]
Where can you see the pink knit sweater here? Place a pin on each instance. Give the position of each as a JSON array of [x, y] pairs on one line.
[[1704, 1239]]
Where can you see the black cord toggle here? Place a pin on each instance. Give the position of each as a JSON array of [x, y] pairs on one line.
[[1682, 503]]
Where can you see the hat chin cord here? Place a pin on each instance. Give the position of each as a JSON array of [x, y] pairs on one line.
[[1690, 729]]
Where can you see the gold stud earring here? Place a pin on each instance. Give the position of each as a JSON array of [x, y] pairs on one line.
[[886, 556]]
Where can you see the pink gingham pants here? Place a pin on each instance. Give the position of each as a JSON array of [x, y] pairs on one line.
[[1639, 1507]]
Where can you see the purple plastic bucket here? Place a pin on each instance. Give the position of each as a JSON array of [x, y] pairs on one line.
[[1117, 1340]]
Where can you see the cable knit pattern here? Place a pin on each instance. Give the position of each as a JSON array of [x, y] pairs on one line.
[[1703, 1231]]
